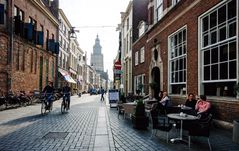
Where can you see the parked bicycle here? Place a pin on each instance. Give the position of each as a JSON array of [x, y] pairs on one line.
[[12, 99]]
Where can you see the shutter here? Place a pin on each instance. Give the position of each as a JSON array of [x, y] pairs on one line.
[[1, 13], [40, 39], [29, 31], [56, 47], [17, 24], [51, 45]]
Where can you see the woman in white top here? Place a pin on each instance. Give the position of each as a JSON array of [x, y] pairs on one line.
[[165, 99]]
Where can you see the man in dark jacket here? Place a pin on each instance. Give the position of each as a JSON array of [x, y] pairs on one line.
[[66, 94], [48, 93]]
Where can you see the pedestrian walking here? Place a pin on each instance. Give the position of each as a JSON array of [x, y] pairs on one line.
[[102, 92]]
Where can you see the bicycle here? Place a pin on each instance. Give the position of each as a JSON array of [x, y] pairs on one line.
[[65, 102], [45, 104]]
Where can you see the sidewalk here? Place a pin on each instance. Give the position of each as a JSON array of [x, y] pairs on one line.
[[128, 138]]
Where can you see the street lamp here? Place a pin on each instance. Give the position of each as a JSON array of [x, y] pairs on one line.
[[73, 33]]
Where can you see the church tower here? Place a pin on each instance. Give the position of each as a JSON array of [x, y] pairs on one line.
[[97, 58]]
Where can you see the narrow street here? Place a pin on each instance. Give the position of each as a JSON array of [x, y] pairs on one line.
[[89, 125]]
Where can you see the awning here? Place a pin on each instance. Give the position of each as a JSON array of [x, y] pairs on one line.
[[66, 76]]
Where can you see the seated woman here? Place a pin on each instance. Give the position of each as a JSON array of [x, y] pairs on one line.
[[165, 99], [191, 101], [202, 105]]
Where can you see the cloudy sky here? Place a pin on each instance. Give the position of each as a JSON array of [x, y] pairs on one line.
[[94, 17]]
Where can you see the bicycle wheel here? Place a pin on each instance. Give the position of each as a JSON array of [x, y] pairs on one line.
[[43, 108], [62, 107]]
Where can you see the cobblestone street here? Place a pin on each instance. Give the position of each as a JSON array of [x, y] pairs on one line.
[[89, 125]]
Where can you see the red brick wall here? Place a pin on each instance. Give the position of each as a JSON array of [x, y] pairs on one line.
[[31, 11], [24, 76], [167, 27], [141, 68], [3, 61], [226, 110]]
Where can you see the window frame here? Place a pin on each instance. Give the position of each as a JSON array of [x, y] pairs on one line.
[[175, 58], [136, 58], [142, 55], [221, 79]]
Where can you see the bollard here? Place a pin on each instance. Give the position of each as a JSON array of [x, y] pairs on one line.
[[235, 137]]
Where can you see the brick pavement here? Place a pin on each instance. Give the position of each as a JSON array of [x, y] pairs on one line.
[[89, 126]]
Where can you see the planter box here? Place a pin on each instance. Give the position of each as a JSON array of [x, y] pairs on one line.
[[140, 122], [235, 137]]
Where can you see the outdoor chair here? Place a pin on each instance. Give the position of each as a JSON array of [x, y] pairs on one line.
[[159, 125], [120, 109], [201, 128]]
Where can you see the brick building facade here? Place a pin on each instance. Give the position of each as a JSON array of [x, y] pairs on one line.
[[197, 51], [29, 48]]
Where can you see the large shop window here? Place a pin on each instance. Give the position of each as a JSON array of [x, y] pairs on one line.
[[177, 61], [1, 13], [219, 51]]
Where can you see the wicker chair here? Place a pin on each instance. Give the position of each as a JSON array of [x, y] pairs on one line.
[[201, 128]]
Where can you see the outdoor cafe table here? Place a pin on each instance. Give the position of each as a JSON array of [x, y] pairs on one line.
[[181, 117]]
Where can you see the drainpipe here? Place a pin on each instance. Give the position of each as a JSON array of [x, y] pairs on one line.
[[10, 48]]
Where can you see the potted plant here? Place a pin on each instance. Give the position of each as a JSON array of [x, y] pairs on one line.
[[236, 89], [155, 88], [139, 119], [153, 85]]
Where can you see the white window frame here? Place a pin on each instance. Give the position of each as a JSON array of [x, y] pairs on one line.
[[137, 82], [142, 55], [159, 9], [217, 44], [175, 57]]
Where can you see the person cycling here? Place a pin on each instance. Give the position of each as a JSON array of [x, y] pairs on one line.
[[48, 93], [66, 94]]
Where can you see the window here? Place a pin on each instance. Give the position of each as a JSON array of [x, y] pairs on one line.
[[177, 61], [2, 14], [159, 9], [18, 21], [136, 58], [35, 70], [174, 2], [32, 61], [47, 39], [52, 69], [139, 84], [219, 50], [142, 28], [142, 55], [127, 23], [47, 70]]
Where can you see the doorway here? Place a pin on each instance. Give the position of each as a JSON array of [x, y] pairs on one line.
[[155, 74]]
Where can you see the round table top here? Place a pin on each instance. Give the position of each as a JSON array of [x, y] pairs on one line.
[[130, 103], [182, 116]]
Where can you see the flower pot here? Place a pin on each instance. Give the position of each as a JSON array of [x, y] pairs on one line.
[[140, 122]]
